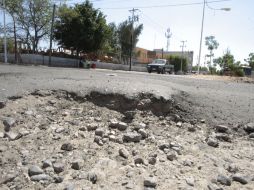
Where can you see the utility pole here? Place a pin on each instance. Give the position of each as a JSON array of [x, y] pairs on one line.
[[168, 35], [201, 37], [132, 19], [5, 41], [51, 34], [162, 53], [182, 46]]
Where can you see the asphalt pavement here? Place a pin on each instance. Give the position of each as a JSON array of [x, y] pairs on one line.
[[224, 102]]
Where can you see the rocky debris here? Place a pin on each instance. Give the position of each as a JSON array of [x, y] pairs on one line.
[[60, 130], [8, 122], [222, 128], [40, 177], [70, 187], [92, 176], [152, 160], [58, 167], [92, 127], [212, 142], [12, 136], [163, 146], [251, 136], [34, 170], [77, 164], [171, 156], [67, 147], [46, 163], [58, 179], [1, 135], [4, 179], [249, 128], [143, 133], [139, 160], [150, 182], [214, 187], [124, 153], [232, 168], [240, 178], [118, 125], [99, 132], [2, 104], [64, 147], [132, 137], [98, 140], [190, 181], [224, 180], [224, 137]]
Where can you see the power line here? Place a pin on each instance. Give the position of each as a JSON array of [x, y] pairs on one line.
[[166, 5]]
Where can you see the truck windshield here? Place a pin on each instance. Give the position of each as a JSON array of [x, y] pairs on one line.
[[159, 61]]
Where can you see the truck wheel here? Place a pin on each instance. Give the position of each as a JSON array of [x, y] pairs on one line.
[[149, 71]]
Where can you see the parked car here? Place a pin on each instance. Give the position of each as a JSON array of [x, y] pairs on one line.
[[160, 66]]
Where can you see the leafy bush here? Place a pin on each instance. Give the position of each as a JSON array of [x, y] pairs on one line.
[[239, 72], [176, 61]]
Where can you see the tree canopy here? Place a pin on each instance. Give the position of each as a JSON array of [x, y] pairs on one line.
[[250, 60], [33, 20], [81, 28]]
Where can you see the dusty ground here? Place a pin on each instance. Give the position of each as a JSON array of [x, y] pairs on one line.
[[223, 78], [59, 140]]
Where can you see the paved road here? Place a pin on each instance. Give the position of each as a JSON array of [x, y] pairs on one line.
[[218, 101]]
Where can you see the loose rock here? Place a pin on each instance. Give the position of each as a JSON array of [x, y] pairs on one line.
[[249, 128], [224, 180], [150, 182], [221, 128], [190, 181], [67, 147], [124, 153], [46, 163], [77, 164], [212, 142], [132, 137], [239, 178], [12, 136], [92, 127], [58, 167], [99, 132], [40, 177], [152, 160], [8, 123], [171, 156], [34, 170], [143, 133]]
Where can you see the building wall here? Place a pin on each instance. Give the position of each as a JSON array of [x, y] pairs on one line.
[[144, 56]]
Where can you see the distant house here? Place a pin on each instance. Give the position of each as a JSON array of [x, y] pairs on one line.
[[144, 56]]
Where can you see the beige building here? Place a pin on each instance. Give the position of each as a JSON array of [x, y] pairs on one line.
[[144, 56]]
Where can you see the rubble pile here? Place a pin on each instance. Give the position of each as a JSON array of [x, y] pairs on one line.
[[54, 140]]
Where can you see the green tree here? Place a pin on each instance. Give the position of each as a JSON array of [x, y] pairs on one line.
[[32, 18], [82, 28], [124, 37], [212, 45], [176, 61], [250, 60], [227, 62]]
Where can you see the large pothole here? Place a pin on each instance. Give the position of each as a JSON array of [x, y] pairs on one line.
[[59, 139]]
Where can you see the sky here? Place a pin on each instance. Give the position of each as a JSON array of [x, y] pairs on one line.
[[234, 29]]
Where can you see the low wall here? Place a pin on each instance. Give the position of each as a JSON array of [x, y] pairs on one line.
[[32, 59]]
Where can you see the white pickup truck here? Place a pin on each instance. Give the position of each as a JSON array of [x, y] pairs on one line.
[[160, 66]]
